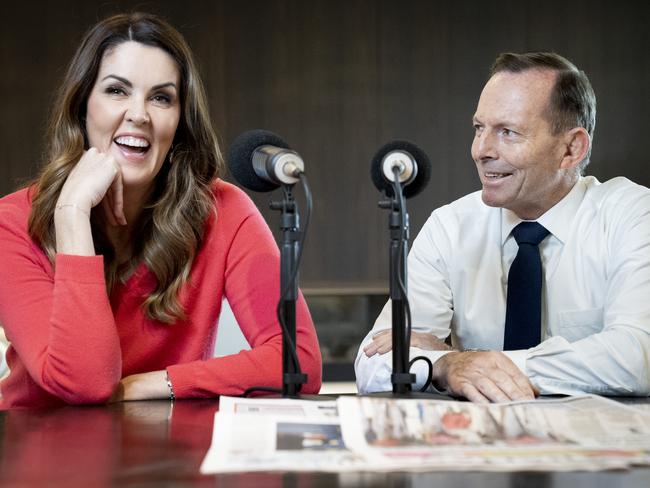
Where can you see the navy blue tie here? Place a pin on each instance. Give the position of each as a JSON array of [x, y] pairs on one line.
[[524, 303]]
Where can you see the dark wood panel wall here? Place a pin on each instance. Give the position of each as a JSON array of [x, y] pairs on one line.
[[338, 78]]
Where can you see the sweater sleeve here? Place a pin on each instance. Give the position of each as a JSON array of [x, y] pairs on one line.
[[252, 287], [60, 326]]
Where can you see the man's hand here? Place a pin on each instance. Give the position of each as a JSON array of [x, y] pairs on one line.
[[382, 342], [482, 377]]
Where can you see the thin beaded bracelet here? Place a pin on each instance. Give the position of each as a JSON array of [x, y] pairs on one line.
[[73, 205], [171, 389]]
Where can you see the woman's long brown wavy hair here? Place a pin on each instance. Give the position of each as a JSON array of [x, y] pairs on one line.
[[170, 231]]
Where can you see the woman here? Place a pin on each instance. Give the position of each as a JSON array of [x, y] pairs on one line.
[[113, 264]]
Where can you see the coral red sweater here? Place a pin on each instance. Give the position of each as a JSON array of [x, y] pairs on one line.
[[71, 342]]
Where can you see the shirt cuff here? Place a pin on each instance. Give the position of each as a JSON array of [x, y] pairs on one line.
[[83, 269], [519, 358], [421, 368]]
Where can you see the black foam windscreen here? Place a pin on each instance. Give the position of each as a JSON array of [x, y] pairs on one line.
[[421, 159], [240, 155]]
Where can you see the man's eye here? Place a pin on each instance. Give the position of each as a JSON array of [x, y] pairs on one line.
[[508, 132]]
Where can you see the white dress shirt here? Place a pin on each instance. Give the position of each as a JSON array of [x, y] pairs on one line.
[[595, 290]]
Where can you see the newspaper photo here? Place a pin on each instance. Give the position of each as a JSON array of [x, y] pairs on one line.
[[576, 433], [275, 443]]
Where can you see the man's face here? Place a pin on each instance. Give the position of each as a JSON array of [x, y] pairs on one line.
[[517, 156]]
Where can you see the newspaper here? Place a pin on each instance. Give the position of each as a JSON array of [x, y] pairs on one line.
[[278, 435], [278, 406], [383, 434], [576, 433]]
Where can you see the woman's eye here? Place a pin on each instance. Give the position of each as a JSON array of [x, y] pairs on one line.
[[115, 90], [162, 98]]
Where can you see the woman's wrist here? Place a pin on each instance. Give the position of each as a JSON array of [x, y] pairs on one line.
[[145, 386], [73, 231], [71, 207]]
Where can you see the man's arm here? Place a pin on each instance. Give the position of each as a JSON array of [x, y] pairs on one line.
[[431, 310], [614, 360], [477, 376]]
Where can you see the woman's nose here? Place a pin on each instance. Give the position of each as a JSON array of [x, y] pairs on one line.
[[137, 113]]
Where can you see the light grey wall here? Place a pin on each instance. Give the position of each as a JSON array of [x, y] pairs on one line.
[[230, 339]]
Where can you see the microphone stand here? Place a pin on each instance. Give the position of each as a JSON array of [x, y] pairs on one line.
[[289, 251], [398, 224]]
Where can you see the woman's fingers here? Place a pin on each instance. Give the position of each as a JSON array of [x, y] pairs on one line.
[[107, 205], [90, 179], [117, 195]]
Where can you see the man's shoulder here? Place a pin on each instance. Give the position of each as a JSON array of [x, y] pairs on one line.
[[468, 204], [618, 195], [469, 208], [467, 215]]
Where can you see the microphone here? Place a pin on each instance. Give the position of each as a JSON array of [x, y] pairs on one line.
[[262, 161], [411, 161]]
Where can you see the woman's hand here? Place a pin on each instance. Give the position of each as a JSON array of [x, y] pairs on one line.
[[95, 179], [382, 342], [143, 386]]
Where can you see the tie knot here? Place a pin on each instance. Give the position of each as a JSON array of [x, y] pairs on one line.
[[529, 233]]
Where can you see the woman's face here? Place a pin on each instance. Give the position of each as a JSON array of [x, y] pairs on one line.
[[133, 110]]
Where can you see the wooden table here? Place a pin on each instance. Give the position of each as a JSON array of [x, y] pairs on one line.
[[156, 444]]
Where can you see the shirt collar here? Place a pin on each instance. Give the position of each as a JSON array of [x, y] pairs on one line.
[[557, 220]]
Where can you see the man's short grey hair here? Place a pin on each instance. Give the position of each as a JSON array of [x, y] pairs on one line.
[[573, 102]]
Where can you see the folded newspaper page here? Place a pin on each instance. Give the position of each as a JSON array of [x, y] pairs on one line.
[[383, 434], [277, 435], [279, 406], [576, 433]]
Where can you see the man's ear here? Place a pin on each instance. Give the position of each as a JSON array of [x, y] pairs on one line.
[[577, 143]]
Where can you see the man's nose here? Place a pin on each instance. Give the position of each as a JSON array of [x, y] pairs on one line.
[[484, 146]]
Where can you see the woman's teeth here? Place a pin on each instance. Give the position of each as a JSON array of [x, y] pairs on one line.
[[131, 141]]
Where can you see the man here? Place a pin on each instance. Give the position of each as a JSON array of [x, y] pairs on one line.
[[558, 304]]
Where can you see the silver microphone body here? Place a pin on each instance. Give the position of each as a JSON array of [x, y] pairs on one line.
[[404, 162], [280, 165]]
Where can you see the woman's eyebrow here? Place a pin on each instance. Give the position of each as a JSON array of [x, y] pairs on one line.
[[130, 85]]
